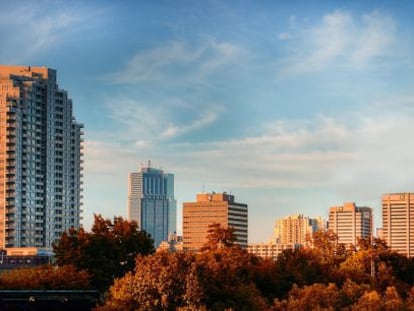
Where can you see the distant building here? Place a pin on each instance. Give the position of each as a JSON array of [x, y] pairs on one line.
[[398, 222], [40, 159], [173, 245], [379, 233], [151, 202], [268, 250], [294, 230], [213, 208], [350, 222]]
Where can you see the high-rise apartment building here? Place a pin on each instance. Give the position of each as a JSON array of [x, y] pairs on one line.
[[350, 222], [151, 202], [295, 229], [40, 158], [213, 208], [398, 222]]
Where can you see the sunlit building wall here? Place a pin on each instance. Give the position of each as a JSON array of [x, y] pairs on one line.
[[296, 229], [350, 222], [151, 202], [213, 208], [398, 222], [40, 158], [268, 250]]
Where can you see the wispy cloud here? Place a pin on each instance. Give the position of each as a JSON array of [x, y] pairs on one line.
[[341, 41], [185, 61], [345, 155], [31, 28], [151, 122]]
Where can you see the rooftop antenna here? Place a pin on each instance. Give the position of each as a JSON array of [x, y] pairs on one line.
[[149, 163], [204, 187]]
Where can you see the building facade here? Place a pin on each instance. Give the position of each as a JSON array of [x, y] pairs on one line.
[[151, 202], [350, 222], [268, 250], [398, 222], [296, 229], [40, 158], [212, 208]]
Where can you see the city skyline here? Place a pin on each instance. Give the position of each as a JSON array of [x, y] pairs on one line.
[[293, 107]]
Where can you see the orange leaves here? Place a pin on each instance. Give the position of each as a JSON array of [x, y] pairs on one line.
[[45, 277]]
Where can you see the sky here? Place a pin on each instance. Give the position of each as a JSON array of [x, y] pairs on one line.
[[291, 106]]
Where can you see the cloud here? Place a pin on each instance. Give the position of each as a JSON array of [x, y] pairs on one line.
[[318, 152], [185, 61], [29, 29], [341, 41], [153, 122]]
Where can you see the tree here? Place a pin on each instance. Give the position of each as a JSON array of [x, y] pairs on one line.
[[159, 282], [370, 301], [300, 266], [219, 237], [45, 277], [313, 297], [107, 252], [215, 280]]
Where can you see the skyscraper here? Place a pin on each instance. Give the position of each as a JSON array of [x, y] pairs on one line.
[[213, 208], [151, 202], [350, 222], [295, 229], [398, 222], [40, 158]]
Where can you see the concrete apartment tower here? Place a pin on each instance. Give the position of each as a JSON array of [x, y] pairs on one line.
[[295, 229], [350, 222], [398, 222], [208, 209], [151, 202], [40, 158]]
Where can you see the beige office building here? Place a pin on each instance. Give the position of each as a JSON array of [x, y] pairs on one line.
[[208, 209], [294, 230], [398, 222], [350, 222]]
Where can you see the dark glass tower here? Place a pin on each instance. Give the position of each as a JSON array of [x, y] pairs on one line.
[[151, 202]]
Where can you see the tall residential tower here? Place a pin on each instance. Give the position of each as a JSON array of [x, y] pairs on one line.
[[40, 158], [151, 202], [398, 222], [296, 229]]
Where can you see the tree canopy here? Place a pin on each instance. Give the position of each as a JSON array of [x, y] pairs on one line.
[[107, 252]]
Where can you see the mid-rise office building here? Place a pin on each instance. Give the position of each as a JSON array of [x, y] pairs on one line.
[[350, 222], [398, 222], [151, 202], [212, 208], [40, 158], [296, 229], [269, 250]]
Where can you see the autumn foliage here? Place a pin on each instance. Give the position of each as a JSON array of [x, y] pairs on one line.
[[107, 252], [45, 277], [323, 276]]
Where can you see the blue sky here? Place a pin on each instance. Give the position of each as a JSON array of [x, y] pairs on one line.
[[292, 106]]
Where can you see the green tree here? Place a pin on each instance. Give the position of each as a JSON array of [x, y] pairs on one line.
[[107, 252]]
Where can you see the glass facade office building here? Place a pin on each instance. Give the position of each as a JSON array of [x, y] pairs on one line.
[[151, 202]]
